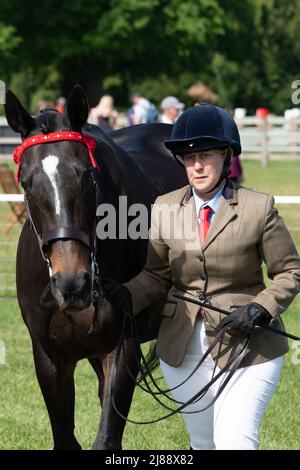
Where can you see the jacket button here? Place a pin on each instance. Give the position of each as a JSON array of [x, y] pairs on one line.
[[200, 258], [203, 277], [201, 295]]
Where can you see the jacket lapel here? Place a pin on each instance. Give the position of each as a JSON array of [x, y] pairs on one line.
[[225, 213], [189, 220]]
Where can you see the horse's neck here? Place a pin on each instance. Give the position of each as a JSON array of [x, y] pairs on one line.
[[121, 174]]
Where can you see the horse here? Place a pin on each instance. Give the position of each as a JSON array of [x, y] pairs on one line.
[[59, 254]]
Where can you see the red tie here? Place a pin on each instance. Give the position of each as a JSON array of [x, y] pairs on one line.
[[204, 223]]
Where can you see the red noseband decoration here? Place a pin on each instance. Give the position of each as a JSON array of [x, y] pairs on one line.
[[38, 139]]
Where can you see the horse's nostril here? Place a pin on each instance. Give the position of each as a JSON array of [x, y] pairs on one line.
[[72, 289], [70, 298]]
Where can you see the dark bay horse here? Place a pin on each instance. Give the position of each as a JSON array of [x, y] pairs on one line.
[[54, 271]]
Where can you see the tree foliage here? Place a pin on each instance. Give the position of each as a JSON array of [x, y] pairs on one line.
[[246, 51]]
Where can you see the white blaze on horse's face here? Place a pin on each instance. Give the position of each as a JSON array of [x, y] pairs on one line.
[[50, 164]]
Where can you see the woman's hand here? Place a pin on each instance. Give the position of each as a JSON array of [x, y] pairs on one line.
[[245, 318], [117, 294]]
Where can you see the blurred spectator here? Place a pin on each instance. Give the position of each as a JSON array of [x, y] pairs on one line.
[[130, 114], [45, 104], [104, 114], [142, 110], [236, 170], [60, 104], [171, 109]]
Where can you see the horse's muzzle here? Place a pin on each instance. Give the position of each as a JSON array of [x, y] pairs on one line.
[[72, 291]]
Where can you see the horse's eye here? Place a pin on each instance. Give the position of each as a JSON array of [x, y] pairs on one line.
[[26, 181]]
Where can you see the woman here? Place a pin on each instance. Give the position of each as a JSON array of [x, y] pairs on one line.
[[104, 114], [239, 229]]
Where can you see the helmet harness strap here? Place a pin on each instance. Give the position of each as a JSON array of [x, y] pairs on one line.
[[224, 172]]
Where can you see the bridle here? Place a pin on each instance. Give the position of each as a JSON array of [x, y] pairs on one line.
[[38, 139], [65, 233]]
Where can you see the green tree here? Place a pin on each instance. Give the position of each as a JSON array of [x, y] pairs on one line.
[[9, 42], [278, 25], [246, 51], [88, 41]]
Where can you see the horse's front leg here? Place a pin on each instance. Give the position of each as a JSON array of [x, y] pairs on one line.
[[97, 366], [112, 426], [56, 379]]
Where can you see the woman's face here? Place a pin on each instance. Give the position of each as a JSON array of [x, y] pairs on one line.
[[204, 170]]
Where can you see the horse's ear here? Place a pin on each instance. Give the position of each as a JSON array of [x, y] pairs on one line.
[[17, 116], [77, 108]]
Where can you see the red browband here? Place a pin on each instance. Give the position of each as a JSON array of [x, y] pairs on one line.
[[86, 140]]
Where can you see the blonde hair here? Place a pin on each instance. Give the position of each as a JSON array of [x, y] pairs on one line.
[[105, 107]]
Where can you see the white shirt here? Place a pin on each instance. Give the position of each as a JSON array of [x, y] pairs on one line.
[[165, 120], [141, 110]]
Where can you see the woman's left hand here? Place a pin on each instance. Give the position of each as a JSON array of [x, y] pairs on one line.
[[245, 318]]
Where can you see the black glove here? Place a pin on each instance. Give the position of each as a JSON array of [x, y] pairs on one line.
[[245, 318], [117, 294]]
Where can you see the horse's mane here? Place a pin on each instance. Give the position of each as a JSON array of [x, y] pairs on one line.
[[123, 168], [51, 120], [144, 144], [46, 110]]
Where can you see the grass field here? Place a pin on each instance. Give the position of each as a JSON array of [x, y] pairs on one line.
[[24, 421]]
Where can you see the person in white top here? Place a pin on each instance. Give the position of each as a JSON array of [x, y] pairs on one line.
[[171, 109]]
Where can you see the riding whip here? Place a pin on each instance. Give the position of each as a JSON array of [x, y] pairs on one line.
[[221, 310]]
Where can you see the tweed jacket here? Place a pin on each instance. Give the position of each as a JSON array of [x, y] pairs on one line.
[[246, 232]]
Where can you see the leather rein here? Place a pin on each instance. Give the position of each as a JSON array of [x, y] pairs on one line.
[[150, 383]]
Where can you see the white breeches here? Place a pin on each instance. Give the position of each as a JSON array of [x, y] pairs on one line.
[[233, 421]]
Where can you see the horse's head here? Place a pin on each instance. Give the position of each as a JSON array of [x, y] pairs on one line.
[[57, 177]]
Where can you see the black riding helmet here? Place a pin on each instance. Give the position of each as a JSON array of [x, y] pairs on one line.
[[205, 127]]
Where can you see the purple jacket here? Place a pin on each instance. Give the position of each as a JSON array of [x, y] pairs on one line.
[[236, 170]]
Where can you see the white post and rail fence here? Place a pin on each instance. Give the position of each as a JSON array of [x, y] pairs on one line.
[[269, 138]]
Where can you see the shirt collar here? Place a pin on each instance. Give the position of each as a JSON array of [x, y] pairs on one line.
[[212, 203]]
